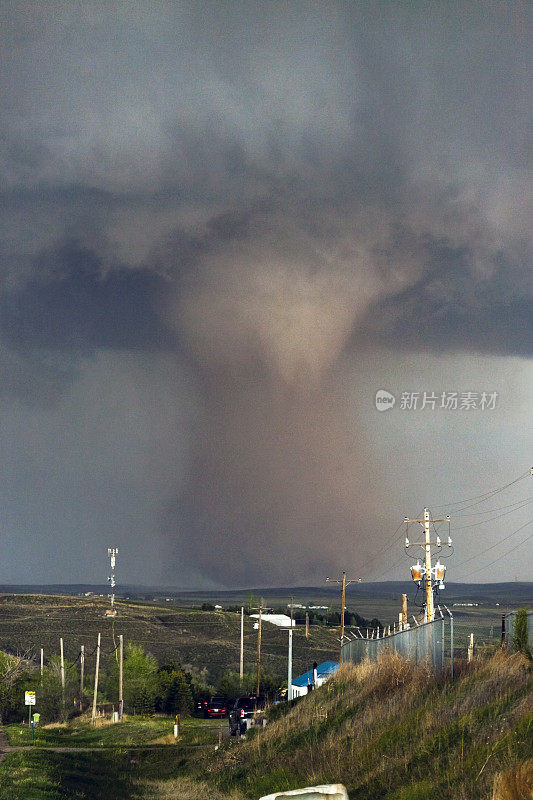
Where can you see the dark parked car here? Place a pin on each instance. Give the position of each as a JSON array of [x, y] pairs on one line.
[[216, 707], [244, 713], [201, 705]]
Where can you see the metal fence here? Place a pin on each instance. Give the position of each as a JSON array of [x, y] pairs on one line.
[[509, 620], [422, 643]]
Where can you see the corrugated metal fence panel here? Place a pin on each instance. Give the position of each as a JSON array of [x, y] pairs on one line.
[[422, 643], [509, 627]]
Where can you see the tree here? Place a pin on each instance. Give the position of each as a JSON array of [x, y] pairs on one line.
[[175, 690], [139, 680], [12, 670], [230, 685]]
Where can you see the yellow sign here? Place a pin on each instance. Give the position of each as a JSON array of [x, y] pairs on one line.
[[29, 698]]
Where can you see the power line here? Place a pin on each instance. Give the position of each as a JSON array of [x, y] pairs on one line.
[[389, 542], [492, 510], [388, 569], [504, 554], [492, 547], [499, 516], [485, 495]]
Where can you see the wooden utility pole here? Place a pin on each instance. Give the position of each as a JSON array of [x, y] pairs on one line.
[[428, 572], [430, 608], [344, 583], [402, 616], [120, 663], [259, 653], [62, 673], [258, 674], [241, 659], [289, 668], [96, 678]]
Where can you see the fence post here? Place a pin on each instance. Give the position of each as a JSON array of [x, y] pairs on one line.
[[471, 648], [443, 639]]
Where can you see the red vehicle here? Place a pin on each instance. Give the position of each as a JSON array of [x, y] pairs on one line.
[[216, 707]]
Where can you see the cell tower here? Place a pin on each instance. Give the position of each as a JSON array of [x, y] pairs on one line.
[[432, 577], [112, 552]]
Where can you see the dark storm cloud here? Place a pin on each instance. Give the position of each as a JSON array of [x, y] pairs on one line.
[[451, 309], [70, 304], [262, 191]]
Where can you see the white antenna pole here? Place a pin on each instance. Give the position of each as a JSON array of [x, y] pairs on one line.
[[112, 552]]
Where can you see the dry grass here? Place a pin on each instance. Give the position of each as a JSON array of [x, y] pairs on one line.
[[515, 784], [52, 726], [376, 726], [185, 789]]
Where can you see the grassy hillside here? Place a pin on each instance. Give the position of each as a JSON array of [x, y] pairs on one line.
[[388, 731], [198, 639], [392, 732]]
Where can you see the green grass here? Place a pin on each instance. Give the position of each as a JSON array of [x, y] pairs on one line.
[[124, 758], [133, 731]]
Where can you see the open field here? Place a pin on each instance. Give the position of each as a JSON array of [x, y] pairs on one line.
[[197, 639], [134, 760], [134, 731], [179, 630]]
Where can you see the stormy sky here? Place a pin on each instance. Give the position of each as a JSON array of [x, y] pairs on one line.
[[225, 226]]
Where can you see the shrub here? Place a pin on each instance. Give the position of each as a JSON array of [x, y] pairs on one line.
[[520, 637]]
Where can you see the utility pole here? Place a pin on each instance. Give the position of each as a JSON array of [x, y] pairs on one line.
[[62, 674], [120, 666], [344, 583], [241, 659], [96, 678], [289, 668], [42, 665], [307, 625], [402, 617], [112, 552], [258, 675], [292, 610], [427, 572], [259, 653], [82, 673]]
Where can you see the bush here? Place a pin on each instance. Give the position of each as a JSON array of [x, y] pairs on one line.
[[520, 637]]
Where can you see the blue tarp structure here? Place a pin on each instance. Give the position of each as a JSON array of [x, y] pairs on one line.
[[323, 670]]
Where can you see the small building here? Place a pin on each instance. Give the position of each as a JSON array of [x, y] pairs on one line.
[[281, 620], [304, 683]]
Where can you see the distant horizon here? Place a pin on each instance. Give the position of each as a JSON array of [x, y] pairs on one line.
[[211, 590]]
